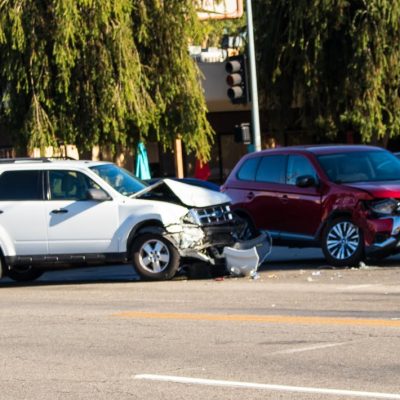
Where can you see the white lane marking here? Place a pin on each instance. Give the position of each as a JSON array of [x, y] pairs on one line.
[[281, 388], [352, 287], [309, 348]]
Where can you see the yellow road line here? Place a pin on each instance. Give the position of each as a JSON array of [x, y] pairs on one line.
[[283, 319]]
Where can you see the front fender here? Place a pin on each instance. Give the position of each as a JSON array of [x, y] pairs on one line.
[[148, 226], [131, 225]]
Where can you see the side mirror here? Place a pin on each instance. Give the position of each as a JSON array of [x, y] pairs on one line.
[[305, 181], [97, 195]]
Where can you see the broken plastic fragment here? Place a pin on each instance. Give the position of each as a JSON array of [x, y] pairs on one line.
[[254, 275]]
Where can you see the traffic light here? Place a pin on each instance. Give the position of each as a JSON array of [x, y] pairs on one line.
[[237, 79]]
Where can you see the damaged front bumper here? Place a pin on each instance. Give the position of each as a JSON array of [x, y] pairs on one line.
[[219, 244], [245, 257], [386, 236]]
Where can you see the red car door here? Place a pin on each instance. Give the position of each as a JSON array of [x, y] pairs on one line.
[[301, 206]]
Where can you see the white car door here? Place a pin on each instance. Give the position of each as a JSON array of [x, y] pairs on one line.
[[76, 224], [22, 213]]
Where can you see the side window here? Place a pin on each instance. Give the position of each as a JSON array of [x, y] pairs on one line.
[[248, 170], [298, 166], [272, 169], [21, 185], [70, 185]]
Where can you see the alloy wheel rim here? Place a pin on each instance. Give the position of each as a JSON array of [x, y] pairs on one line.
[[343, 240], [154, 256]]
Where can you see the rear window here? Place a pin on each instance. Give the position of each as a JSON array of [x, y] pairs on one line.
[[21, 185], [272, 169], [247, 171]]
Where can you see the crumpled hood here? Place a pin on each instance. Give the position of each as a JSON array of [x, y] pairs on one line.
[[189, 195], [388, 189]]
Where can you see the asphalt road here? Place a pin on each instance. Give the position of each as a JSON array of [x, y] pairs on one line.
[[302, 330]]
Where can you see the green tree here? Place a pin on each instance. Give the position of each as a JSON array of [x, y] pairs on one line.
[[166, 27], [338, 59], [95, 72]]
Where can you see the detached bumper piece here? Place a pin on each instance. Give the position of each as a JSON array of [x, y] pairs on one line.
[[244, 258]]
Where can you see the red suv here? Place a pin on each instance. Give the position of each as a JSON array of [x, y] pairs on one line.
[[345, 199]]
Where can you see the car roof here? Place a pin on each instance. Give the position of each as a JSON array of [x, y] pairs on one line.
[[321, 149], [43, 163]]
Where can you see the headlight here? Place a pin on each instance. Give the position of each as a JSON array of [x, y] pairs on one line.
[[384, 207], [228, 212], [192, 217]]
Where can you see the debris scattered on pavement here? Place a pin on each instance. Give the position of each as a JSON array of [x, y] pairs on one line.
[[362, 265], [254, 275]]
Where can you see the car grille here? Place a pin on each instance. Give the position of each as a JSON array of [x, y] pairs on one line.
[[214, 215]]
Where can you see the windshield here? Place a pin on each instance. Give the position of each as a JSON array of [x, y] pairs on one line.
[[365, 166], [120, 179]]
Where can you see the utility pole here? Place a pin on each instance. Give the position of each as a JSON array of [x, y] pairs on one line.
[[255, 116]]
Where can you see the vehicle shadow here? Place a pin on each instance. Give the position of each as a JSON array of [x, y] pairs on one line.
[[280, 259]]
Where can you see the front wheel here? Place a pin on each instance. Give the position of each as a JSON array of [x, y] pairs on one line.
[[250, 230], [24, 274], [342, 243], [154, 257]]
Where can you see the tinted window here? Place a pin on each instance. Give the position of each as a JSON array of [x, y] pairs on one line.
[[70, 185], [298, 166], [365, 166], [272, 169], [247, 171], [21, 185]]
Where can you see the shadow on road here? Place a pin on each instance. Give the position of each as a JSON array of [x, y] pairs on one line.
[[281, 258]]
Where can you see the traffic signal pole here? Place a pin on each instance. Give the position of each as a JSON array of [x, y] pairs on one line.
[[255, 116]]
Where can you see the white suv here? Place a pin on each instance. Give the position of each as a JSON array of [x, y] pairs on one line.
[[60, 213]]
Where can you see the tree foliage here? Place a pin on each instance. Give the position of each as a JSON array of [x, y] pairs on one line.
[[338, 59], [213, 30], [100, 72], [165, 29]]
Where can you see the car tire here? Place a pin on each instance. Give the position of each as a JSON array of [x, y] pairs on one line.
[[250, 231], [1, 267], [343, 243], [154, 257], [24, 274]]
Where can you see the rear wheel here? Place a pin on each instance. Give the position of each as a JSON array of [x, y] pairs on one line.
[[342, 243], [24, 274], [154, 257]]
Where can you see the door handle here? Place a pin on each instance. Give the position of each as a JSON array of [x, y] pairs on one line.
[[250, 196], [284, 198], [59, 211]]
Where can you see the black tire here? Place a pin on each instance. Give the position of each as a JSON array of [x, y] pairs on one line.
[[154, 257], [1, 267], [24, 274], [250, 231], [343, 243]]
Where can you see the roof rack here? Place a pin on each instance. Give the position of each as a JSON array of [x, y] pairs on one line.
[[32, 159]]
